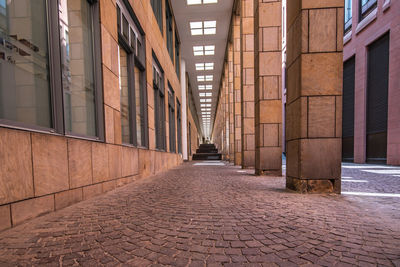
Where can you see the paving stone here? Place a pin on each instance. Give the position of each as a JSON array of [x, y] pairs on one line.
[[193, 216]]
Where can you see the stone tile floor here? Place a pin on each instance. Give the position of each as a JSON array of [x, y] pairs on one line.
[[197, 215]]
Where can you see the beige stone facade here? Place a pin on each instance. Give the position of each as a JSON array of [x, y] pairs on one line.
[[42, 172]]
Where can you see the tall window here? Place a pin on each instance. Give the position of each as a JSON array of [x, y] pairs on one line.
[[347, 15], [177, 58], [57, 89], [169, 22], [25, 91], [171, 117], [366, 6], [179, 125], [157, 9], [159, 104], [131, 78]]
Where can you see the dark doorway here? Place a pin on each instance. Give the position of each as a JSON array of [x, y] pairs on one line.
[[377, 99], [348, 110]]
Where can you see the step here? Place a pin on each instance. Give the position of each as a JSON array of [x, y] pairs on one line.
[[202, 150], [207, 156]]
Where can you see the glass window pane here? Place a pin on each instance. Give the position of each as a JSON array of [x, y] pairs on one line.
[[347, 11], [24, 66], [139, 115], [124, 93], [77, 67]]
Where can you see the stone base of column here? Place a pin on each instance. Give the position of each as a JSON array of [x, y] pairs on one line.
[[268, 172], [313, 186]]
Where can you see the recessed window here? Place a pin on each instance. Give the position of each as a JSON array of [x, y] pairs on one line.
[[205, 66], [204, 50], [205, 105], [203, 27], [205, 87], [199, 2], [159, 105], [157, 10], [347, 15], [171, 121], [366, 6], [169, 22], [132, 79], [205, 94], [205, 78], [67, 97], [205, 100], [206, 109]]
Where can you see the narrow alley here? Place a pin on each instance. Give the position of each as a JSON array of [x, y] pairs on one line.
[[197, 215]]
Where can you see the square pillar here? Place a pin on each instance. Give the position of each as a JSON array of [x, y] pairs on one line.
[[230, 99], [314, 95], [268, 84], [237, 91], [247, 80]]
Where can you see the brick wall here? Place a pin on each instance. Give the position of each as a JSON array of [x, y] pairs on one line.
[[386, 20]]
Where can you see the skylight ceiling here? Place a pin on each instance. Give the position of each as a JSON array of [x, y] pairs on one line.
[[204, 50], [203, 27], [199, 2]]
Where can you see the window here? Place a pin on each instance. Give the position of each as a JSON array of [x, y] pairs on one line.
[[171, 117], [205, 87], [25, 91], [177, 58], [159, 104], [179, 125], [366, 6], [199, 2], [203, 27], [347, 15], [132, 78], [54, 88], [169, 22], [205, 66], [205, 78], [201, 50], [157, 9]]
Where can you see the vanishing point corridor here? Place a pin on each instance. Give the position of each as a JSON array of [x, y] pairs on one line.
[[211, 213]]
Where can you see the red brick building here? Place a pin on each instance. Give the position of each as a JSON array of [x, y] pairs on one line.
[[371, 91]]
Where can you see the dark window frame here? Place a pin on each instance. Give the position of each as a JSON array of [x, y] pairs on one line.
[[55, 79], [159, 104], [177, 56], [171, 119], [179, 125], [364, 10], [136, 52], [158, 13], [169, 21], [349, 23]]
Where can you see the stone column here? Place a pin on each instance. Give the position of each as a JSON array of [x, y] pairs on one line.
[[247, 66], [226, 110], [237, 91], [314, 95], [268, 96], [230, 99]]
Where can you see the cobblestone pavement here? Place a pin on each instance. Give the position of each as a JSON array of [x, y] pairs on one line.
[[370, 178], [210, 215]]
